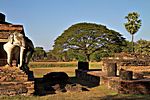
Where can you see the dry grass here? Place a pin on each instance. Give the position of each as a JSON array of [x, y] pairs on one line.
[[62, 64], [138, 68], [52, 64], [42, 68], [39, 72]]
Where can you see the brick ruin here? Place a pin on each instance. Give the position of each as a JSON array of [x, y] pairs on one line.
[[6, 29], [125, 59], [115, 74], [13, 81]]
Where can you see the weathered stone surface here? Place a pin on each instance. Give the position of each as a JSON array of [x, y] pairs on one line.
[[127, 86], [138, 75], [5, 30], [135, 86], [14, 81], [126, 75], [16, 88], [11, 74], [125, 59], [110, 69], [83, 65], [85, 75]]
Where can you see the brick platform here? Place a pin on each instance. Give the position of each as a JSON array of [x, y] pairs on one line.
[[14, 81], [139, 86]]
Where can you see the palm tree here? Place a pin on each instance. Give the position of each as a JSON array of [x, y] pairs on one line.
[[132, 25]]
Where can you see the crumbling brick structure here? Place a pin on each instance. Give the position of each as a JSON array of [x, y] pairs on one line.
[[6, 29]]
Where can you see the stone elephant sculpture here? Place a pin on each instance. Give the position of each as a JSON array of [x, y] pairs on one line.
[[20, 46]]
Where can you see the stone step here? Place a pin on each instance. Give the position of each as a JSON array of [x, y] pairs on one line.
[[16, 88], [14, 81], [12, 74]]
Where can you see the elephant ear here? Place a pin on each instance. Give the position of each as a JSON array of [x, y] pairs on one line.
[[19, 39], [18, 36], [11, 38]]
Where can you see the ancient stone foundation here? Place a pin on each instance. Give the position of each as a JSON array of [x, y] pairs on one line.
[[14, 81], [126, 82], [140, 86], [84, 75], [135, 86]]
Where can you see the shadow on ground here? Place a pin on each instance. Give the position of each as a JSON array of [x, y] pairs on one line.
[[55, 82]]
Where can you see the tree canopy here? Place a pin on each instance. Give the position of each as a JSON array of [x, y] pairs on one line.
[[143, 47], [132, 25], [88, 38], [39, 53]]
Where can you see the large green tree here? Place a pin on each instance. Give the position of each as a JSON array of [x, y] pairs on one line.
[[87, 38], [132, 25], [51, 56], [39, 54], [128, 47], [143, 47]]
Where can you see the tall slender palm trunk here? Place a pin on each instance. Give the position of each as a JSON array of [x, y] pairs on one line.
[[88, 57], [132, 43]]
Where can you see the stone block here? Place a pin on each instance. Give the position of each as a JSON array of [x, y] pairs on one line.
[[83, 65], [56, 78], [126, 75], [109, 68]]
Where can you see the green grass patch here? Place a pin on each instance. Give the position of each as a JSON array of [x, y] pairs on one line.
[[92, 65], [51, 64]]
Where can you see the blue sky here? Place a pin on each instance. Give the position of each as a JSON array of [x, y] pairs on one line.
[[45, 20]]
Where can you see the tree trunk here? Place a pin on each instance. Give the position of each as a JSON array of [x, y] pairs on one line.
[[132, 43], [88, 57]]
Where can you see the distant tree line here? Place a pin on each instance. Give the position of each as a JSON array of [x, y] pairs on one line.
[[92, 42], [141, 47]]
